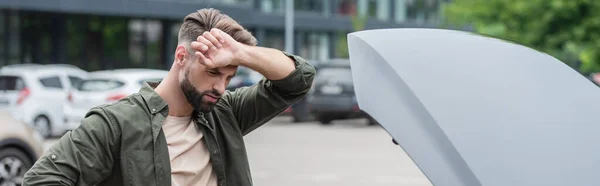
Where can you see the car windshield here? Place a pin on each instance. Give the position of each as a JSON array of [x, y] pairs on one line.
[[100, 85], [335, 74]]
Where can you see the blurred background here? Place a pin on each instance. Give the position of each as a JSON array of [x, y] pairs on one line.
[[59, 58]]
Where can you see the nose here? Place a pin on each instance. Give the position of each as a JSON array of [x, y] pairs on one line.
[[220, 86]]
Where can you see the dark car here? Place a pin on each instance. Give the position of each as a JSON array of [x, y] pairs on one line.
[[332, 97]]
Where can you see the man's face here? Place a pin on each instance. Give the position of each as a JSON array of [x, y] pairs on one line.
[[202, 86]]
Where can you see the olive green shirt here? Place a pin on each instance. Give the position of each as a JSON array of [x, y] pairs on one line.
[[123, 143]]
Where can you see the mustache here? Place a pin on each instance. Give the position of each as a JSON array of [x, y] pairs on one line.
[[212, 93]]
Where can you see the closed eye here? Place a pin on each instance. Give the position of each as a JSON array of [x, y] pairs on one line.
[[214, 72]]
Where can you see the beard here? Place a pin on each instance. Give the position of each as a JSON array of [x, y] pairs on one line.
[[194, 97]]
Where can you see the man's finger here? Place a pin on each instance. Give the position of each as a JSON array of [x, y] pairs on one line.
[[203, 60], [206, 42], [210, 37], [199, 46], [218, 34]]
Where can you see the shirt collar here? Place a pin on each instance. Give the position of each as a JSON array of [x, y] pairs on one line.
[[154, 102]]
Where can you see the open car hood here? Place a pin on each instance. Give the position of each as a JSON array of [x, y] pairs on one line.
[[472, 110]]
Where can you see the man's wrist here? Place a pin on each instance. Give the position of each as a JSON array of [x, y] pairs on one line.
[[241, 56]]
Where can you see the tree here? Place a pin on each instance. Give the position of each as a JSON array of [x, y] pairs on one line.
[[566, 29]]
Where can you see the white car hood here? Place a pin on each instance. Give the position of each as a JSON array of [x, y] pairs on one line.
[[472, 110]]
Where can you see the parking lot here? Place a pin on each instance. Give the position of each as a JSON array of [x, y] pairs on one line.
[[347, 153]]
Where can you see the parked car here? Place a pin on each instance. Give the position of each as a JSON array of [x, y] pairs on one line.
[[332, 97], [20, 147], [105, 87], [35, 94], [244, 77]]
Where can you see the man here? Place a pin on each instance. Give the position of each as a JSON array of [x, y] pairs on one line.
[[187, 130]]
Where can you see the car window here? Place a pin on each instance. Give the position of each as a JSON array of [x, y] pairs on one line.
[[51, 82], [11, 83], [75, 81], [340, 75], [100, 85]]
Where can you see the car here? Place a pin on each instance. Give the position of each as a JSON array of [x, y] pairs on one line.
[[300, 111], [20, 147], [471, 109], [35, 94], [244, 77], [105, 87], [332, 97]]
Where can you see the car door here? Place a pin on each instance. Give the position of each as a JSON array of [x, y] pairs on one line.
[[54, 96]]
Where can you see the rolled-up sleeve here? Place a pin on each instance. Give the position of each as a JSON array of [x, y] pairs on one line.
[[255, 105]]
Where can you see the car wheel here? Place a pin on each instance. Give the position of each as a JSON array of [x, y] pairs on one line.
[[42, 125], [13, 166], [325, 120]]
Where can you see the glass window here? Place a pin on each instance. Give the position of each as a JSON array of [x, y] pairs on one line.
[[309, 5], [271, 6], [420, 10], [2, 39], [274, 39], [14, 31], [51, 82], [11, 83], [337, 74], [400, 10], [383, 9], [136, 42], [314, 45], [75, 81], [100, 85], [235, 2], [346, 7], [145, 43]]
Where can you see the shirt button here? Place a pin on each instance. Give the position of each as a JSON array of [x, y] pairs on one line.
[[153, 110], [53, 157]]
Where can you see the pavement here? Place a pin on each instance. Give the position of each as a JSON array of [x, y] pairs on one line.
[[346, 153]]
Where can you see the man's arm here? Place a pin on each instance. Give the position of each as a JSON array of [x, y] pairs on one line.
[[271, 63], [288, 78], [81, 157]]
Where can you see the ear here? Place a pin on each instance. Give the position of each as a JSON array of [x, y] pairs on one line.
[[180, 55]]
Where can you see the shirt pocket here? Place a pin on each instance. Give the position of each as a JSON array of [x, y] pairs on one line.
[[140, 168]]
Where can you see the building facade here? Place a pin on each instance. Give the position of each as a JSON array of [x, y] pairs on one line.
[[110, 34]]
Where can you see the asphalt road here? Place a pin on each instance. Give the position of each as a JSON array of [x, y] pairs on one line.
[[347, 153]]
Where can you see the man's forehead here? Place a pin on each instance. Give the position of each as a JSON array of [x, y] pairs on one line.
[[229, 70]]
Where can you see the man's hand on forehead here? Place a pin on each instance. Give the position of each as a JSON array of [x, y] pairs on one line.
[[216, 49]]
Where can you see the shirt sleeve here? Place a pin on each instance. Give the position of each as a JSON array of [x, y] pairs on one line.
[[255, 105], [81, 157]]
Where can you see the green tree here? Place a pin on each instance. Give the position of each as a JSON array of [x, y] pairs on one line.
[[566, 29], [358, 23]]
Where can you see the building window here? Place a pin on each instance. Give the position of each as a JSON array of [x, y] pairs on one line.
[[14, 39], [274, 39], [346, 7], [309, 5], [145, 43], [272, 6], [314, 45], [3, 38], [421, 11], [235, 2]]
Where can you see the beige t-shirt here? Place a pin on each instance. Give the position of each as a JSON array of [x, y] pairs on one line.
[[190, 159]]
